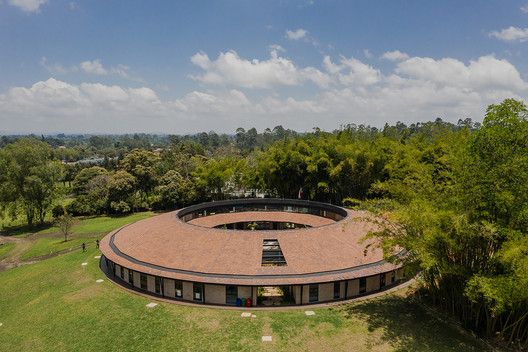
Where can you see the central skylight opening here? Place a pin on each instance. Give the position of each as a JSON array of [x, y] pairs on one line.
[[272, 253]]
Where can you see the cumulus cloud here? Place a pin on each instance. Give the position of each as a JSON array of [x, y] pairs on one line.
[[395, 55], [350, 91], [511, 34], [351, 71], [485, 72], [230, 69], [296, 34], [28, 5], [94, 67]]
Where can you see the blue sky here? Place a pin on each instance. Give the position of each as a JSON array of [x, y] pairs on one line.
[[179, 67]]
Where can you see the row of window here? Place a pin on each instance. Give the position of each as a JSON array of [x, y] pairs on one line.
[[262, 207], [313, 294], [159, 285], [231, 291]]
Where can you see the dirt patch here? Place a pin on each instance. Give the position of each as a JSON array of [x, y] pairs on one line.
[[12, 259]]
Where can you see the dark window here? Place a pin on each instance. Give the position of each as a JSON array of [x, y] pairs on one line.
[[231, 294], [363, 285], [198, 292], [393, 277], [382, 280], [178, 288], [337, 290], [158, 285], [131, 277], [143, 281], [313, 293], [272, 253]]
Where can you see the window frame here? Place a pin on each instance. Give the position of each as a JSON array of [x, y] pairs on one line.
[[362, 288], [131, 277], [337, 289], [311, 289], [143, 279], [178, 286], [200, 291], [158, 285], [231, 297]]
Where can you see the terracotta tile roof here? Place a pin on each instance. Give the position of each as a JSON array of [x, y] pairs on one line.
[[165, 246]]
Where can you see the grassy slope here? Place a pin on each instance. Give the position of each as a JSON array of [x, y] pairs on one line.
[[85, 230], [5, 248], [55, 305]]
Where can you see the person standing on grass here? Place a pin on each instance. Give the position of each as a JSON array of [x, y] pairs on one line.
[[83, 247], [97, 244]]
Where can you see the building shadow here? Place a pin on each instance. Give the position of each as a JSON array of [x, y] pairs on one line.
[[407, 326], [18, 230]]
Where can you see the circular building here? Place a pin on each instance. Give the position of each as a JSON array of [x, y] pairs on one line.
[[235, 252]]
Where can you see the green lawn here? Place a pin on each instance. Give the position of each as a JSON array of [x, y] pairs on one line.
[[100, 224], [85, 230], [5, 248], [55, 305]]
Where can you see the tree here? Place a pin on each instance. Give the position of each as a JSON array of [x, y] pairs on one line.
[[463, 218], [82, 179], [29, 178], [174, 191], [213, 176], [142, 164], [121, 192], [65, 224]]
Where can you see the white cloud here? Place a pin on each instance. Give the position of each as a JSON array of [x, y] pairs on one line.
[[524, 8], [93, 67], [351, 71], [511, 34], [230, 69], [395, 55], [56, 67], [28, 5], [296, 34], [485, 72], [350, 91], [277, 48], [367, 53]]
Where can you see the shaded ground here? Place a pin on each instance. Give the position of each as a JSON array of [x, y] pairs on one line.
[[396, 317]]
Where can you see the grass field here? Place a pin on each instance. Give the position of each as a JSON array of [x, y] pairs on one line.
[[56, 305], [87, 230], [5, 248]]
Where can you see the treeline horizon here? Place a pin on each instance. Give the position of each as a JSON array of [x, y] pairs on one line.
[[458, 192], [153, 140]]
